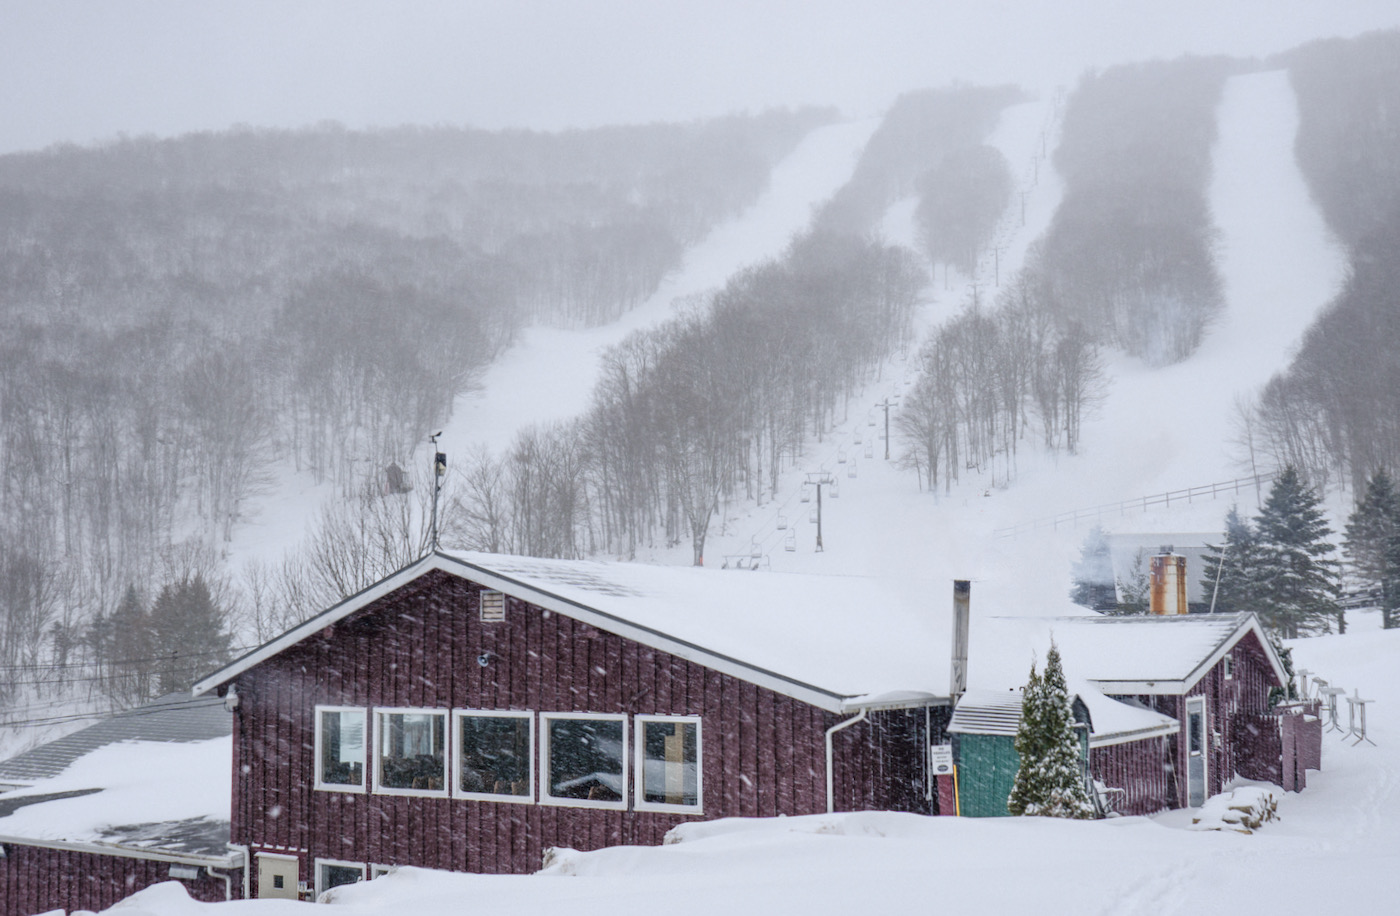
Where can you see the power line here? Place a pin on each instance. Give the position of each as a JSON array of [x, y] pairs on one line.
[[138, 712]]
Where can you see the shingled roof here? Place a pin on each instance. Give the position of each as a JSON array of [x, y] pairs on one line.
[[175, 717]]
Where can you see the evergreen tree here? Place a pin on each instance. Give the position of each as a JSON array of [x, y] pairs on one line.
[[1093, 573], [1373, 544], [126, 638], [1134, 590], [1298, 583], [1050, 780], [188, 633], [1235, 564]]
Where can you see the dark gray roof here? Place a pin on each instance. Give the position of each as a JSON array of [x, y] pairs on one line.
[[200, 836], [175, 717]]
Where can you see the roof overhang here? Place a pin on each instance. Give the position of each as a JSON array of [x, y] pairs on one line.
[[233, 859], [1136, 734], [1248, 623], [762, 677]]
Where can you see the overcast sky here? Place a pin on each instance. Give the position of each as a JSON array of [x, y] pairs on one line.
[[82, 70]]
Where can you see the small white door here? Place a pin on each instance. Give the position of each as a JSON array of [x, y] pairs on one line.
[[1196, 747], [277, 876]]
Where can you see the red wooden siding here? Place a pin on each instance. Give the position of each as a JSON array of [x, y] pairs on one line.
[[1243, 736], [763, 753], [35, 880], [1142, 769]]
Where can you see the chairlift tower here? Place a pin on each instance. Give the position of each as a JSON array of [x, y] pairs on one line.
[[887, 403], [819, 479]]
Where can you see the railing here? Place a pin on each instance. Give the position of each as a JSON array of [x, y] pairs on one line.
[[1095, 513]]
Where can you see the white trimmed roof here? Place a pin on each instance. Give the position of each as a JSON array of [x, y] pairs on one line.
[[998, 712], [836, 642], [1118, 655]]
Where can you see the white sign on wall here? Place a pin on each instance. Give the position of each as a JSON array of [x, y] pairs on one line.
[[940, 759]]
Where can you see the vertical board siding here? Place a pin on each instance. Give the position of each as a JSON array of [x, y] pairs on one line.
[[1141, 769], [36, 880], [763, 752]]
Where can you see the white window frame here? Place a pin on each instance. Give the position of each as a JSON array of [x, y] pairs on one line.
[[378, 870], [1229, 666], [457, 792], [545, 798], [321, 784], [639, 750], [379, 788], [321, 864]]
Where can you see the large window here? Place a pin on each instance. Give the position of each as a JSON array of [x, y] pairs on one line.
[[668, 764], [340, 749], [333, 873], [410, 757], [495, 755], [584, 761]]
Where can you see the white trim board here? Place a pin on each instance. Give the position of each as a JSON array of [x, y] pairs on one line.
[[810, 694]]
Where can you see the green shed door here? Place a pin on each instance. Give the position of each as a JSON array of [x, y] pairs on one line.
[[987, 766]]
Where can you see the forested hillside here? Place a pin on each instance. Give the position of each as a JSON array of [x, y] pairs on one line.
[[1129, 255], [1335, 412], [179, 316]]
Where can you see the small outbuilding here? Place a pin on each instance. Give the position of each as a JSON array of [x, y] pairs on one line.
[[133, 800]]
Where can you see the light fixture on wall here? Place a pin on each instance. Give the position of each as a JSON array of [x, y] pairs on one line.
[[484, 658]]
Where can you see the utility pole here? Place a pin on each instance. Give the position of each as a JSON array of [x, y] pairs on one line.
[[887, 405], [996, 262], [439, 471], [818, 479]]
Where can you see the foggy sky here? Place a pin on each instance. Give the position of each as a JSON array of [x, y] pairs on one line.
[[82, 70]]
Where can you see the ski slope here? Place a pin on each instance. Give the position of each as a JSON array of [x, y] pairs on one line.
[[1333, 849], [1156, 430]]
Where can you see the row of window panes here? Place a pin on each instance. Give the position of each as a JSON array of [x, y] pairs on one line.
[[584, 758]]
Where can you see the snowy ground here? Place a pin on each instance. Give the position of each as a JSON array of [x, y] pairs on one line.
[[1332, 850]]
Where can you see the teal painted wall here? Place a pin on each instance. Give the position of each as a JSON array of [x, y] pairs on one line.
[[987, 766]]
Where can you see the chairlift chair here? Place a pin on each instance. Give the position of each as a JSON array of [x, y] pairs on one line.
[[812, 517], [851, 469], [782, 523], [870, 450], [835, 490], [806, 494], [790, 543], [841, 456]]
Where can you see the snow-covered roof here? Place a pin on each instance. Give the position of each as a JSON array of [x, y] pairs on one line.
[[166, 798], [173, 717], [836, 642], [1118, 655], [998, 712]]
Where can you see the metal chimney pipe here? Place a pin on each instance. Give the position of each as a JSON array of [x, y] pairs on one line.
[[962, 611]]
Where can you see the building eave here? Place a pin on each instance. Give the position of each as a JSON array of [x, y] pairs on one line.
[[231, 860], [810, 694]]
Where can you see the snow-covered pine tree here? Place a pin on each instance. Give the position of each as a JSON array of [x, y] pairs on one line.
[[1093, 573], [1050, 780], [1134, 589], [1298, 582], [1236, 563], [1373, 544]]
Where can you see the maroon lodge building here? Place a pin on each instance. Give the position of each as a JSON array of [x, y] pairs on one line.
[[472, 711]]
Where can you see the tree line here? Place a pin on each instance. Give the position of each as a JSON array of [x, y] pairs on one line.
[[1334, 411], [1282, 565], [177, 317], [1129, 252]]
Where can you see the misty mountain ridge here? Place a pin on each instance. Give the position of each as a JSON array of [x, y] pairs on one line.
[[187, 320]]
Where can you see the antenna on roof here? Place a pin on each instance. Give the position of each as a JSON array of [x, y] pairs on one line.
[[439, 471]]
